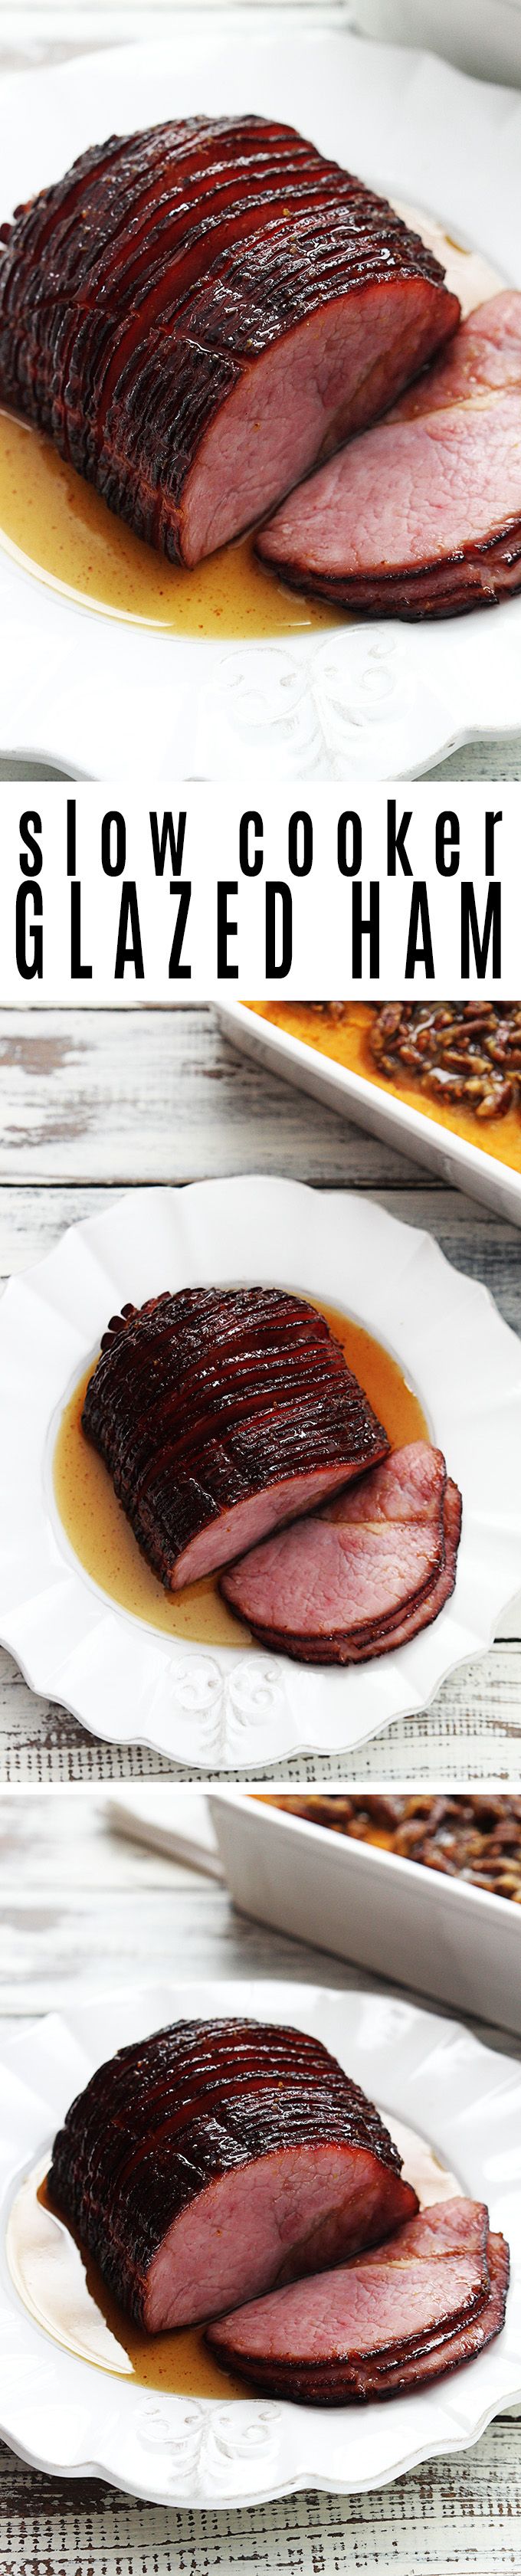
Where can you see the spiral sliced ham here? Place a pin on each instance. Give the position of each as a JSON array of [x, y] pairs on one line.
[[205, 2163], [221, 1412], [421, 2305], [422, 516], [199, 312], [364, 1579]]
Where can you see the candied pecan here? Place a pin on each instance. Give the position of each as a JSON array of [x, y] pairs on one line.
[[457, 1052], [470, 1836]]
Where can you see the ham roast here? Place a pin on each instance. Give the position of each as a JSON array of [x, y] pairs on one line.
[[198, 313], [221, 1412], [362, 1579], [422, 517], [204, 2164], [417, 2307]]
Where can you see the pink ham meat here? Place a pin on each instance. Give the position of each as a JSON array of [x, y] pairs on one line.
[[454, 2349], [422, 516], [198, 312], [363, 1580], [388, 2321], [220, 1413], [204, 2164]]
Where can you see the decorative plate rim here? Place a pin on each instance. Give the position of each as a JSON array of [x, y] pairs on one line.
[[219, 1708]]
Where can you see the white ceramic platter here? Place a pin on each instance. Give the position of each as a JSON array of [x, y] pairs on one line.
[[231, 1707], [70, 2418], [103, 698], [371, 1105], [367, 1904]]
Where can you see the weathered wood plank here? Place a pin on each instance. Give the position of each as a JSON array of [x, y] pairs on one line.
[[448, 2515], [155, 1095], [58, 1953], [472, 1732]]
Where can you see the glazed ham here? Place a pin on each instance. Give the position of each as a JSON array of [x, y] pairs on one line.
[[363, 1579], [387, 2322], [422, 517], [204, 2164], [198, 313], [220, 1413]]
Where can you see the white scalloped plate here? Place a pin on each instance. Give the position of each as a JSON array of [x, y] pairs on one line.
[[100, 698], [66, 2417], [229, 1708]]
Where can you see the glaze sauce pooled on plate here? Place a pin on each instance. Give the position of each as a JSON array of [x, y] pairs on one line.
[[98, 1531], [58, 527], [63, 2289]]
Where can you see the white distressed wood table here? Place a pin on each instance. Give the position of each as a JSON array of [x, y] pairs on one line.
[[82, 1910], [92, 1102]]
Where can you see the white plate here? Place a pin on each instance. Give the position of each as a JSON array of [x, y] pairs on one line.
[[69, 2418], [370, 1905], [371, 1105], [228, 1708], [376, 700]]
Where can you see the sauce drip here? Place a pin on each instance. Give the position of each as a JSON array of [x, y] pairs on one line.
[[64, 2291], [346, 1042], [102, 1538], [57, 526]]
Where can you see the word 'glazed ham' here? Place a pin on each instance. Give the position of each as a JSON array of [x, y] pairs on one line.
[[221, 1412], [200, 312], [422, 517], [417, 2307], [363, 1580], [215, 2158]]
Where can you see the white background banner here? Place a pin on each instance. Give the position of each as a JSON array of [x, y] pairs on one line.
[[404, 890]]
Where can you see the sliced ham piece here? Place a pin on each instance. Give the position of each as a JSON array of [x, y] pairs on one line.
[[205, 2163], [409, 1626], [198, 312], [422, 516], [220, 1413], [403, 2313], [363, 1580]]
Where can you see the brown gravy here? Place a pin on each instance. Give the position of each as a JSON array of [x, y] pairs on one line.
[[102, 1538], [57, 526], [346, 1042]]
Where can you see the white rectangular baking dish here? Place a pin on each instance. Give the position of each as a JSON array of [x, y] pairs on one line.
[[438, 1934], [408, 1131]]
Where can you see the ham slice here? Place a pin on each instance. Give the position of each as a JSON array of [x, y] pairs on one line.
[[363, 1580], [205, 2163], [220, 1413], [198, 312], [454, 2349], [422, 516], [423, 2303]]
